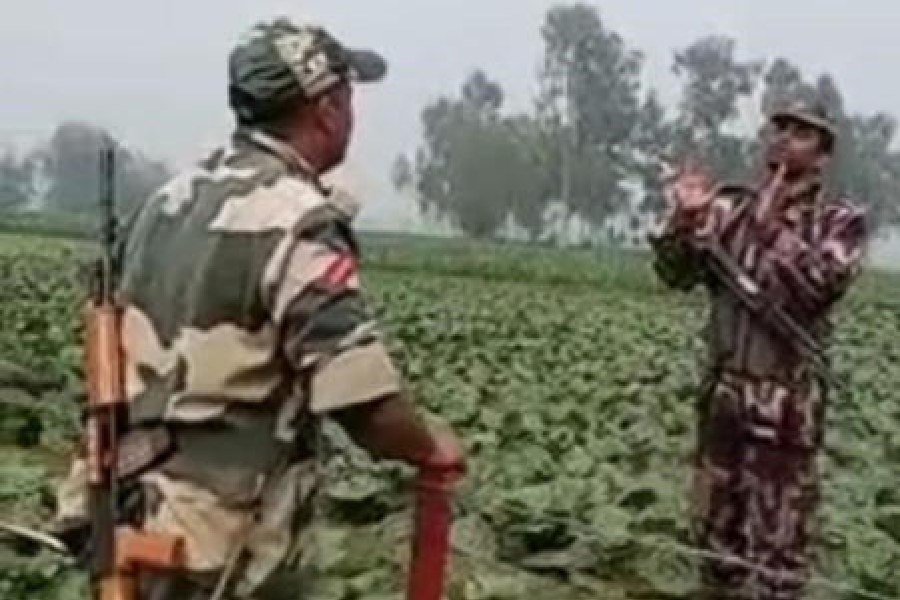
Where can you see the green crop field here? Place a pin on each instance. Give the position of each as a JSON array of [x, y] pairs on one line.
[[571, 375]]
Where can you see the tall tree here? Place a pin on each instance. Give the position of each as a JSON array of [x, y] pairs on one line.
[[782, 82], [714, 81], [590, 99], [471, 168], [482, 95], [16, 182], [868, 169], [532, 154], [402, 175], [71, 161], [654, 137]]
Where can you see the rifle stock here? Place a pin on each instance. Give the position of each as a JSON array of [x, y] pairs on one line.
[[118, 552]]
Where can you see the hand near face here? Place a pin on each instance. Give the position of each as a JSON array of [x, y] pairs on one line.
[[690, 189]]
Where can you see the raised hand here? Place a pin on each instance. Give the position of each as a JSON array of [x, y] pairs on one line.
[[690, 189]]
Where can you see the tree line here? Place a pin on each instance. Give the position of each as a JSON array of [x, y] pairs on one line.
[[62, 175], [586, 159]]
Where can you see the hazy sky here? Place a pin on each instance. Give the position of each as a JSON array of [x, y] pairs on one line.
[[154, 72]]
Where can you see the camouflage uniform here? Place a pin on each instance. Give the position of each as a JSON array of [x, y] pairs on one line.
[[244, 322], [761, 417]]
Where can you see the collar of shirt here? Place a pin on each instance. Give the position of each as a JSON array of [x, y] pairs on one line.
[[338, 198], [802, 198], [294, 160]]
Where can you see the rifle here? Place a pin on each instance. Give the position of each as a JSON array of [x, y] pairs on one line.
[[743, 287], [748, 292], [118, 552]]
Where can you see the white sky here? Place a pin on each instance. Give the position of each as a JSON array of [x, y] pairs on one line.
[[154, 72]]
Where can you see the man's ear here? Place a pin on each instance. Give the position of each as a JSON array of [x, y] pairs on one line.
[[330, 112], [326, 113]]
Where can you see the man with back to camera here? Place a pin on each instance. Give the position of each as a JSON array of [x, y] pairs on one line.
[[244, 324], [790, 253]]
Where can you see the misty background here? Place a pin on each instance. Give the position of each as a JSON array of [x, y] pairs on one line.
[[153, 75]]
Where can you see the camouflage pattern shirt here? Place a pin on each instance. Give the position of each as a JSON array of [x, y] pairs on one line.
[[803, 258], [243, 320]]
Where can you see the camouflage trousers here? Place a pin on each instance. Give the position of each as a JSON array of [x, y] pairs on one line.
[[283, 584], [756, 486], [260, 547], [266, 544]]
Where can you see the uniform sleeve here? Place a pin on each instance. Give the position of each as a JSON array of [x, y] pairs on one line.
[[327, 335], [814, 275]]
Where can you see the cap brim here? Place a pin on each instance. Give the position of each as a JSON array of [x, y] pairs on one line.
[[802, 117], [366, 66]]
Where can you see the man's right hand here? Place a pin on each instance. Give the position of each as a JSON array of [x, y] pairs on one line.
[[447, 453], [690, 189]]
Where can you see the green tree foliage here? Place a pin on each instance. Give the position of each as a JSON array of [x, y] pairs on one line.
[[714, 81], [783, 81], [534, 154], [590, 101], [16, 182], [869, 168], [72, 159], [482, 169], [653, 139], [402, 172], [475, 166], [594, 149]]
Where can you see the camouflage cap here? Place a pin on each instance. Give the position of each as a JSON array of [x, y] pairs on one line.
[[278, 62], [811, 113]]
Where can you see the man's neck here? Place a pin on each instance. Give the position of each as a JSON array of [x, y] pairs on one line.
[[290, 153], [307, 155], [804, 187]]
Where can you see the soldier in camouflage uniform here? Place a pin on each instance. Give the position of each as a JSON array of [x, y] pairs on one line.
[[761, 419], [244, 324]]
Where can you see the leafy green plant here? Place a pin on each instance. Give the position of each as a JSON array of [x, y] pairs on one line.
[[572, 379]]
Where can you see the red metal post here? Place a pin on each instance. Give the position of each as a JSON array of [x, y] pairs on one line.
[[431, 537]]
